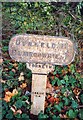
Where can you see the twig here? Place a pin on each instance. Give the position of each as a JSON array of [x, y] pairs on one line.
[[72, 15], [80, 106]]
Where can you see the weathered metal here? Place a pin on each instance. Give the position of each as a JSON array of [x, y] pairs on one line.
[[41, 53], [41, 49]]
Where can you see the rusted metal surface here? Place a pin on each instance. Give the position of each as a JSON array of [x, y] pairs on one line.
[[41, 49]]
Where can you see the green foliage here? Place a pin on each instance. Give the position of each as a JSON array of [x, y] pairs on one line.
[[66, 100], [18, 104], [42, 116], [9, 115], [58, 70], [68, 83], [51, 18], [72, 113], [58, 107], [5, 49], [53, 82], [18, 116], [25, 116], [81, 114], [72, 68], [74, 104], [81, 97], [21, 67]]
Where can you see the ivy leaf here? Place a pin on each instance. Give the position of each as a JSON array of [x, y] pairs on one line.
[[59, 82], [21, 67], [54, 73], [66, 77], [48, 109], [5, 49], [63, 90], [58, 107], [11, 73], [24, 103], [71, 113], [5, 106], [72, 79], [66, 100], [81, 114], [54, 117], [36, 5], [61, 104], [58, 70], [81, 82], [25, 116], [3, 113], [6, 62], [24, 98], [5, 42], [18, 104], [72, 69], [28, 107], [81, 97], [9, 116], [1, 116], [74, 104], [18, 115], [77, 75], [54, 81], [10, 66], [29, 75], [42, 116], [63, 81]]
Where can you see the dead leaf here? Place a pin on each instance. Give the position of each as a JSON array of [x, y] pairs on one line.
[[21, 74], [13, 109], [57, 100], [9, 93], [48, 96], [65, 116], [77, 91], [15, 65], [1, 60], [6, 69], [46, 104], [8, 96], [15, 92], [2, 81], [48, 85], [27, 101], [51, 100], [21, 77], [24, 85], [13, 70], [19, 111]]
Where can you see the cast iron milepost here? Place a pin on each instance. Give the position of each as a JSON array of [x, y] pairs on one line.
[[41, 53]]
